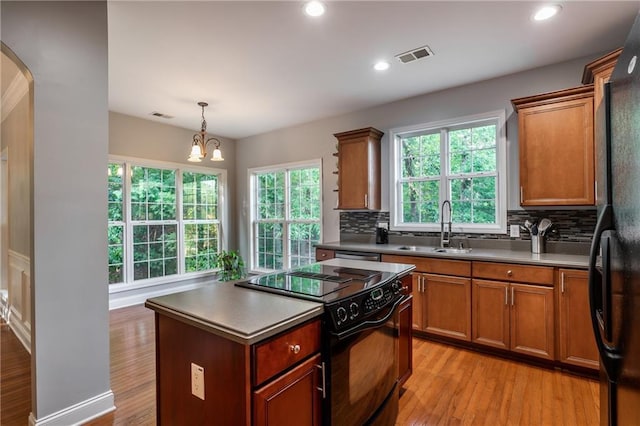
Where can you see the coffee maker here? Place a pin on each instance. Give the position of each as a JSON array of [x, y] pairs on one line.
[[382, 233]]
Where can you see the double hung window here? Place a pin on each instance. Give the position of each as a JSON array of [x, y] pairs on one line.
[[286, 215], [163, 220], [459, 160]]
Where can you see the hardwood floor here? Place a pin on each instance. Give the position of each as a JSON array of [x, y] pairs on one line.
[[449, 386], [452, 386], [15, 379]]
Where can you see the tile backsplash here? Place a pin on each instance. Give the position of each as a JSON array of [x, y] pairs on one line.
[[568, 225]]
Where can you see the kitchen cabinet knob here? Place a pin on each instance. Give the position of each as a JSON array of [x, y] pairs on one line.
[[509, 272], [295, 348]]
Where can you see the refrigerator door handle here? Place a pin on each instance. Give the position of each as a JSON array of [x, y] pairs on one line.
[[609, 355]]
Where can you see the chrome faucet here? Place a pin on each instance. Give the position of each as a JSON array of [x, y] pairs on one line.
[[445, 241]]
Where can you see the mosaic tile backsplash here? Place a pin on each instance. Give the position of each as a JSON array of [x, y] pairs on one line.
[[568, 225]]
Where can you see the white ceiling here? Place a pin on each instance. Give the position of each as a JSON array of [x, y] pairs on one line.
[[265, 65]]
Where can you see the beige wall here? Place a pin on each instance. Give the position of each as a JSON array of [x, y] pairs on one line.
[[134, 137], [15, 128], [315, 140]]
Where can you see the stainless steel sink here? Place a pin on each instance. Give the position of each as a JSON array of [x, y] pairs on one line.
[[451, 250], [408, 248]]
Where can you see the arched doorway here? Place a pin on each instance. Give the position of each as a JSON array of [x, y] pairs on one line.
[[16, 237]]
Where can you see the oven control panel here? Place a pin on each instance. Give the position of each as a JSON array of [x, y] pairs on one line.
[[349, 311]]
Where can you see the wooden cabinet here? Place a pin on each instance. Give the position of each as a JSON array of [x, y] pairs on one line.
[[531, 320], [292, 397], [517, 317], [555, 139], [575, 334], [417, 320], [441, 295], [510, 315], [447, 306], [324, 254], [270, 382], [405, 352], [491, 309], [598, 72], [359, 169]]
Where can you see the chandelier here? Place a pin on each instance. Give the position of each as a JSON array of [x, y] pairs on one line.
[[200, 142]]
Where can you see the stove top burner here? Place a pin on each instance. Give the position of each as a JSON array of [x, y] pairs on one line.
[[316, 276], [318, 282]]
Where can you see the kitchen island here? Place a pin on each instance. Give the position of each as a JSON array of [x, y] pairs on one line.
[[227, 354]]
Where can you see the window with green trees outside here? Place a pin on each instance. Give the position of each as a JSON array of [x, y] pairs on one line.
[[163, 221], [286, 203], [462, 161]]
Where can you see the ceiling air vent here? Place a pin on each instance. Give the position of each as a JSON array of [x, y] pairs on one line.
[[161, 115], [415, 54]]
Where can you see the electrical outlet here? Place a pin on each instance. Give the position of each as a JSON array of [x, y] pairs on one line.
[[197, 381], [514, 231]]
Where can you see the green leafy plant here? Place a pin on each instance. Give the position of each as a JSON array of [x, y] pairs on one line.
[[231, 265]]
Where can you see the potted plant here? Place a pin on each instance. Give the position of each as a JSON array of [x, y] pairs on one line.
[[231, 265]]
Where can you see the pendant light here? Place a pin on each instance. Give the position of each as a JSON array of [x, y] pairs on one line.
[[200, 142]]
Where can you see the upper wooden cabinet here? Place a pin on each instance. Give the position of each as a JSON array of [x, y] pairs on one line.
[[556, 148], [359, 169], [598, 72]]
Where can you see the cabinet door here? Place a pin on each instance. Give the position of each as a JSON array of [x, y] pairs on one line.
[[353, 175], [447, 306], [532, 320], [490, 313], [359, 169], [556, 150], [418, 301], [292, 398], [577, 344], [405, 363]]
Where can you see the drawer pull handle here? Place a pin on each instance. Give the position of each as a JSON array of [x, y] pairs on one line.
[[509, 272], [295, 348]]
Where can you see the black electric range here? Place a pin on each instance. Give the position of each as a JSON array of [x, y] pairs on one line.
[[349, 294]]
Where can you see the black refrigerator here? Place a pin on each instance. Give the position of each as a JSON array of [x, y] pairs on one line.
[[614, 270]]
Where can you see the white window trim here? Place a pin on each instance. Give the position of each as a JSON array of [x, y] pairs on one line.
[[252, 211], [223, 211], [501, 153]]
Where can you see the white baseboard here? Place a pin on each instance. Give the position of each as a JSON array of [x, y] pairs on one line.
[[122, 299], [79, 413]]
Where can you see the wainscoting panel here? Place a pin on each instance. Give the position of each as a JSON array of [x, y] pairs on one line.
[[20, 297]]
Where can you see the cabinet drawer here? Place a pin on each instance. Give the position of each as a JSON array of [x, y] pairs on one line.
[[460, 268], [281, 352], [516, 273], [324, 254]]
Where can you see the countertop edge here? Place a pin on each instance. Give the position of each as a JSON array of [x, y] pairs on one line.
[[227, 333], [482, 255]]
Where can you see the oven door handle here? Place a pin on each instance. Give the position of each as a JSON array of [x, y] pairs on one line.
[[365, 325]]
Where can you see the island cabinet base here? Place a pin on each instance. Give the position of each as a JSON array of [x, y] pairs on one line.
[[227, 386], [268, 383]]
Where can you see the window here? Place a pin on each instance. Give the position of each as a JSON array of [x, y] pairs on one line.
[[116, 223], [463, 161], [201, 225], [286, 212], [163, 220]]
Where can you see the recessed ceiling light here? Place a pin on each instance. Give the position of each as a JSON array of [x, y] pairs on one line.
[[547, 12], [381, 66], [314, 8]]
